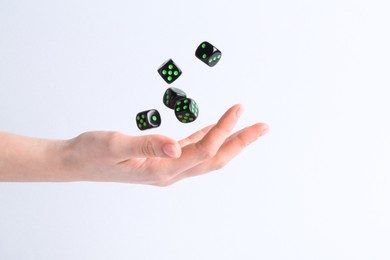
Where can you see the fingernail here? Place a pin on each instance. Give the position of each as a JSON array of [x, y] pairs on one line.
[[171, 150], [265, 130], [240, 111]]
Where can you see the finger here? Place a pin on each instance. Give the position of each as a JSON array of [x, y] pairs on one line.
[[196, 136], [147, 146], [208, 146], [245, 129], [233, 146]]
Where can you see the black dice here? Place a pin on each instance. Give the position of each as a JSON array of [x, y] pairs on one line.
[[169, 71], [148, 119], [172, 95], [207, 53], [186, 110]]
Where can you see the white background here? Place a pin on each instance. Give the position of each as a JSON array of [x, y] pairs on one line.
[[316, 187]]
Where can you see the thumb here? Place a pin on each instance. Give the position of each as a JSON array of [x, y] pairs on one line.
[[151, 146]]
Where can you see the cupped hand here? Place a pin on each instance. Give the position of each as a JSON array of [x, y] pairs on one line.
[[156, 159]]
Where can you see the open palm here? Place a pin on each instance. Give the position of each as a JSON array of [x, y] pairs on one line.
[[156, 159]]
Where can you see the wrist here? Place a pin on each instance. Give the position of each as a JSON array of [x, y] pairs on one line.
[[65, 161]]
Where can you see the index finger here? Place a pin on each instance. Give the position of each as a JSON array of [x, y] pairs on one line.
[[208, 146]]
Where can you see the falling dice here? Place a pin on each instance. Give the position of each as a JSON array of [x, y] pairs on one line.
[[172, 95], [148, 119], [169, 71], [186, 110], [207, 53]]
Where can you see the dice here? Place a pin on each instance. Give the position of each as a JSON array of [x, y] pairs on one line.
[[169, 71], [208, 53], [148, 119], [172, 95], [186, 110]]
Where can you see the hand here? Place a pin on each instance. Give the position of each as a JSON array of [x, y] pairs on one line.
[[115, 157], [156, 159]]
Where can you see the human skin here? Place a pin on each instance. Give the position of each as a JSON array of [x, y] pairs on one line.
[[105, 156]]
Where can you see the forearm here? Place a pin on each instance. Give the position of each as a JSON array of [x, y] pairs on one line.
[[31, 159]]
